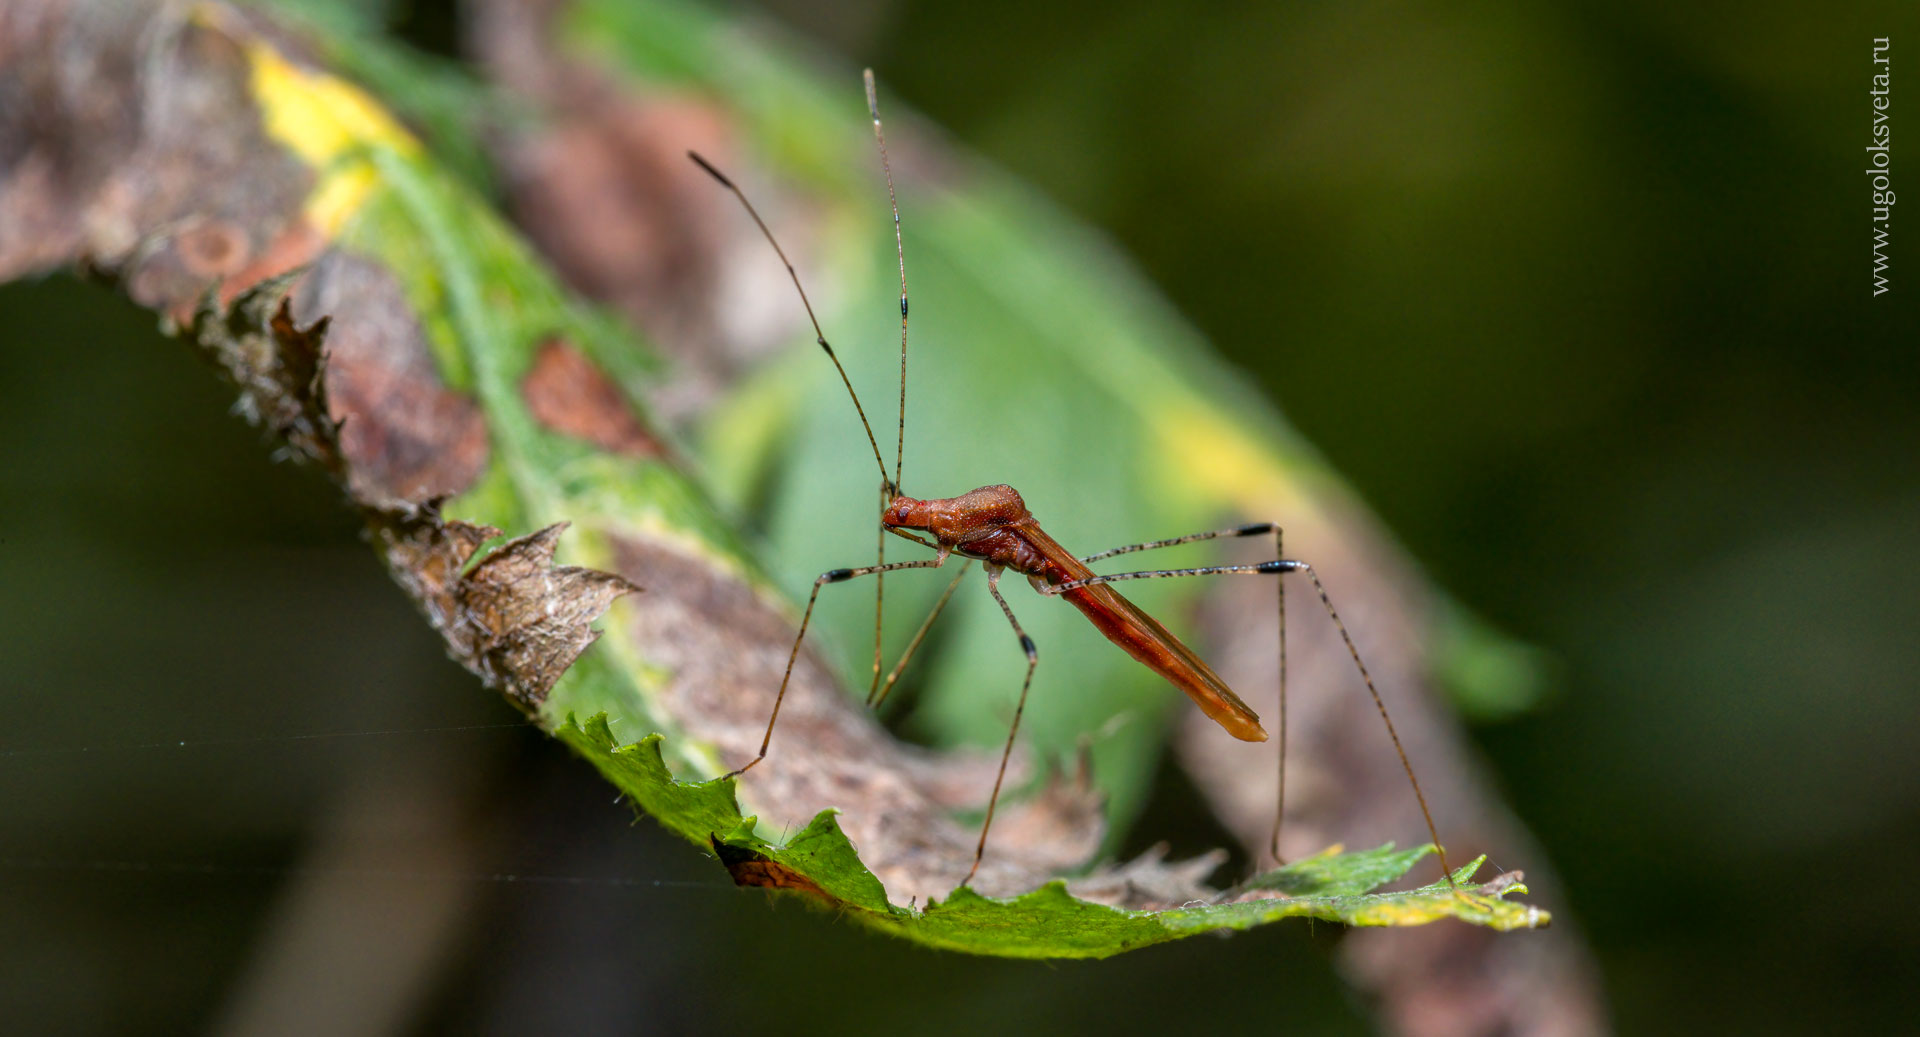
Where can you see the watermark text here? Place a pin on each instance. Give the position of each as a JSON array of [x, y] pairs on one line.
[[1880, 160]]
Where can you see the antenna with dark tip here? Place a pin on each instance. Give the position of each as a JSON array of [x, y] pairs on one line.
[[818, 335], [899, 250]]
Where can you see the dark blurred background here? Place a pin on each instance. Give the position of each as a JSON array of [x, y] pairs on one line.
[[1577, 297]]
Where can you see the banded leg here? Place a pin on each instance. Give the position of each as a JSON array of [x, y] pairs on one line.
[[1033, 659], [1279, 551], [1251, 529], [1278, 567], [830, 576]]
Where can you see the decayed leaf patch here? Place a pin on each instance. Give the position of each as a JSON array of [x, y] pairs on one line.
[[520, 620], [513, 617], [510, 614], [567, 392], [406, 434], [749, 868], [277, 366]]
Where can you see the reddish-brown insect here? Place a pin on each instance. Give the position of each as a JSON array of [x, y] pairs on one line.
[[992, 524]]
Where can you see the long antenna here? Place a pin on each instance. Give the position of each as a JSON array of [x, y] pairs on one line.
[[818, 335], [900, 250], [900, 431]]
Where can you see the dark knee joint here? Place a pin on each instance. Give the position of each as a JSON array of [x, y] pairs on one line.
[[835, 576], [1032, 650], [1280, 565]]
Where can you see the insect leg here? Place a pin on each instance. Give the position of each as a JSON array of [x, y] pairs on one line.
[[879, 590], [1279, 567], [1033, 659], [920, 635], [1250, 529], [830, 576], [1280, 793]]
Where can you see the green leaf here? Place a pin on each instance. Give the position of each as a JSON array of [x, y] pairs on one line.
[[1328, 875], [1049, 922]]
